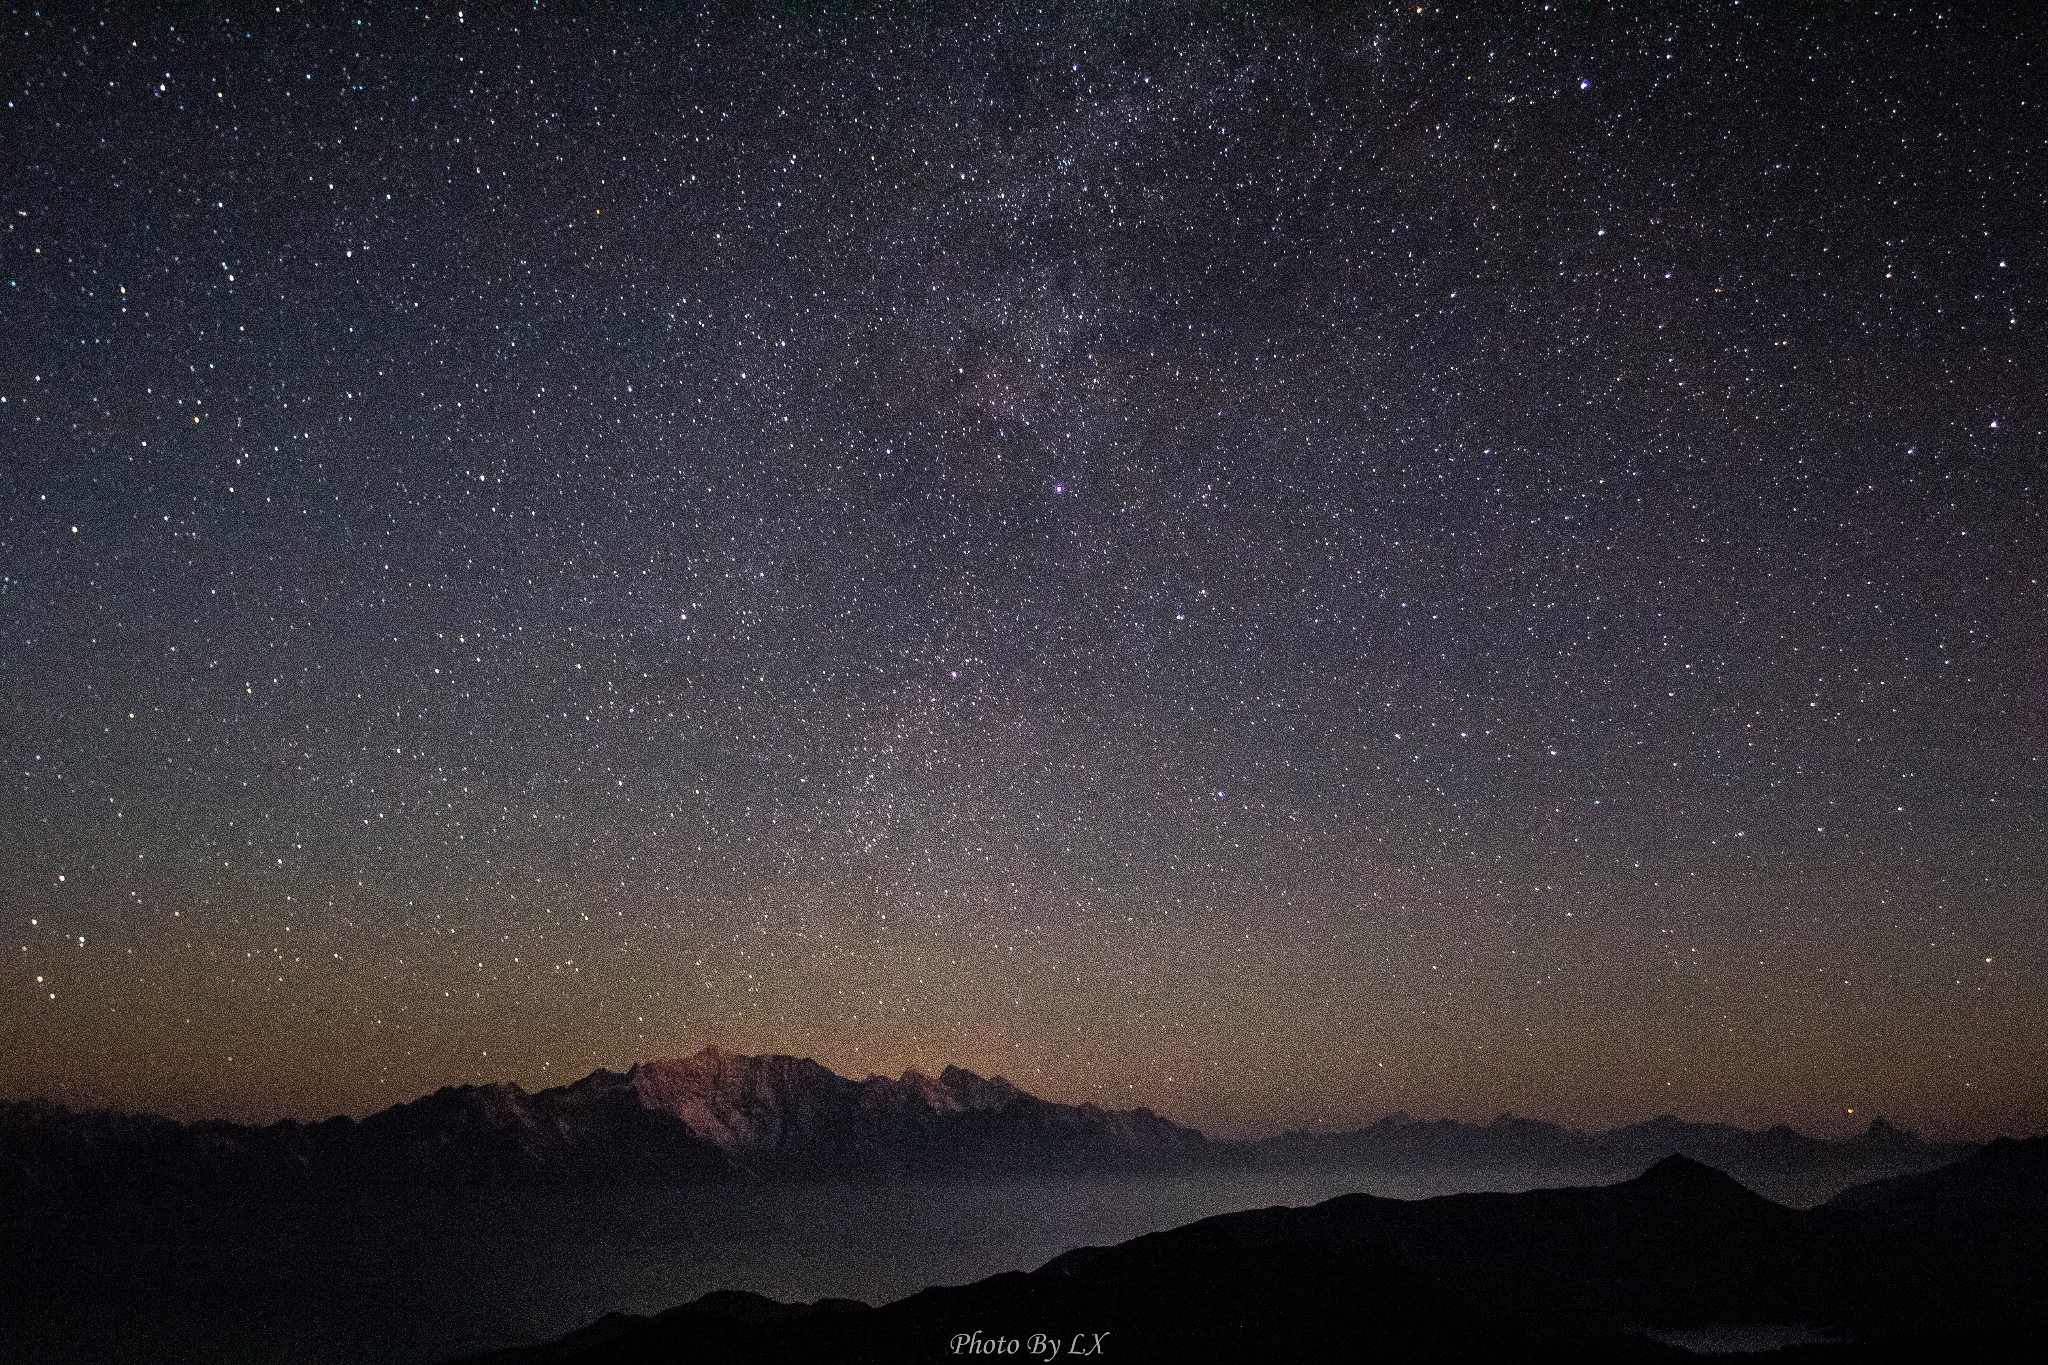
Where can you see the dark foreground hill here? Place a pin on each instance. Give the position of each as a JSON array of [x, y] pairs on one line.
[[1949, 1265], [717, 1115]]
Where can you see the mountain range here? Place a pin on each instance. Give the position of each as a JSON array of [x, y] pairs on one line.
[[1940, 1266], [718, 1115]]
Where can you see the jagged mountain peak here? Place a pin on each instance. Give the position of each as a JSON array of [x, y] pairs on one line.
[[501, 1100], [734, 1101], [979, 1092], [775, 1110], [712, 1060]]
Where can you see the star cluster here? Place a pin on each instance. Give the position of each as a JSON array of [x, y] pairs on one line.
[[1283, 565]]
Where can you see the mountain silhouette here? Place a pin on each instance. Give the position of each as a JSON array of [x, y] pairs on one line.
[[1583, 1274], [719, 1115], [709, 1116], [1780, 1161]]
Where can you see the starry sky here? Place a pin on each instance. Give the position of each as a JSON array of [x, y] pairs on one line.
[[1283, 564]]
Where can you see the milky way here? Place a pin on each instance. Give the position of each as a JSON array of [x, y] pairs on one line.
[[1279, 565]]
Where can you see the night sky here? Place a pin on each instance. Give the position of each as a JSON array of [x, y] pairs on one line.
[[1284, 565]]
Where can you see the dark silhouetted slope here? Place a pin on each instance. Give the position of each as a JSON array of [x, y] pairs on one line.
[[1568, 1274]]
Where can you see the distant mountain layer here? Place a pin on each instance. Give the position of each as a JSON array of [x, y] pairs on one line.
[[711, 1115], [1949, 1265], [719, 1115], [1778, 1161]]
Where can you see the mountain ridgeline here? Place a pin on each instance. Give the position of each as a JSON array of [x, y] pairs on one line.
[[717, 1115], [709, 1116], [1942, 1266]]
